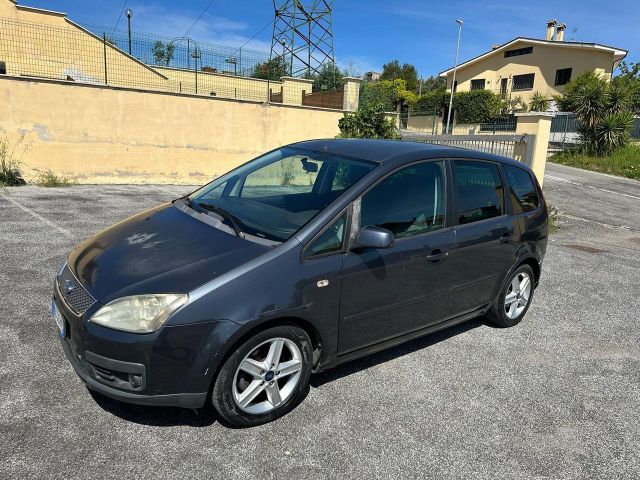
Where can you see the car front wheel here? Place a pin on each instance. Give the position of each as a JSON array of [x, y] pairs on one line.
[[264, 378], [514, 299]]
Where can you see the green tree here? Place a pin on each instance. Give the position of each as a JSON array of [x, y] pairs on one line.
[[368, 122], [603, 110], [434, 84], [388, 94], [271, 69], [407, 72], [163, 54], [630, 76], [329, 78]]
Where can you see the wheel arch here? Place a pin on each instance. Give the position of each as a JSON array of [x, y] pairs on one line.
[[250, 331], [535, 266]]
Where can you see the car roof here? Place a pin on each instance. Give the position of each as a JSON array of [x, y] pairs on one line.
[[381, 151]]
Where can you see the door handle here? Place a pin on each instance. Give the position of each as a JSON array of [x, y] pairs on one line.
[[506, 237], [437, 255]]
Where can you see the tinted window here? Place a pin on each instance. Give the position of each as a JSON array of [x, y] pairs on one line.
[[523, 82], [292, 174], [563, 76], [478, 84], [275, 195], [409, 202], [347, 174], [524, 196], [479, 193], [331, 240], [518, 51]]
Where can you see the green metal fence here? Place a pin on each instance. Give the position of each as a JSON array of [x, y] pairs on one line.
[[104, 56]]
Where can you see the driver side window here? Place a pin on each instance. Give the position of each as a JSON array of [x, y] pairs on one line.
[[409, 202]]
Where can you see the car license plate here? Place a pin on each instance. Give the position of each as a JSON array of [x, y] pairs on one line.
[[57, 316]]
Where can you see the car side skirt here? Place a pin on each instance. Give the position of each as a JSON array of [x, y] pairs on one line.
[[392, 342]]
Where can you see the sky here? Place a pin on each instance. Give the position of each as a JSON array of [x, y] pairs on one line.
[[369, 33]]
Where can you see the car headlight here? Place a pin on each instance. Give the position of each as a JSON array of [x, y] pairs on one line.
[[139, 313]]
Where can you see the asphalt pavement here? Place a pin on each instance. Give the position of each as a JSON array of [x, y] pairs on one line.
[[558, 396]]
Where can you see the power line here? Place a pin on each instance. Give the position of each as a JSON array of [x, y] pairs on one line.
[[254, 36], [198, 19], [119, 16]]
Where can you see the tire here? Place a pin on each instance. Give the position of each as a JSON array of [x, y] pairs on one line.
[[248, 392], [512, 304]]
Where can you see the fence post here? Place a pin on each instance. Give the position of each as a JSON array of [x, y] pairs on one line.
[[104, 49], [537, 124]]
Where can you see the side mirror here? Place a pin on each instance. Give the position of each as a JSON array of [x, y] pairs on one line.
[[374, 237]]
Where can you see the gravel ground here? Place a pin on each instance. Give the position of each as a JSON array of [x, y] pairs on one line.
[[555, 397]]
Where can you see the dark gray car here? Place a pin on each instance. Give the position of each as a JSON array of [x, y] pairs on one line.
[[306, 257]]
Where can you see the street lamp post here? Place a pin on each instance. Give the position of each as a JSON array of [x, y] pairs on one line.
[[234, 61], [284, 65], [129, 13], [196, 56], [453, 81]]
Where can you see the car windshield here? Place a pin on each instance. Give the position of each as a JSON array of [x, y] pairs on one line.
[[275, 195]]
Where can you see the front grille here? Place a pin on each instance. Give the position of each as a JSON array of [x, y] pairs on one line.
[[73, 293]]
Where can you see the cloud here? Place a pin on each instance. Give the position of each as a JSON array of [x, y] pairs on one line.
[[159, 20]]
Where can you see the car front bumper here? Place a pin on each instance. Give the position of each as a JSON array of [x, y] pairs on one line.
[[85, 371], [173, 366]]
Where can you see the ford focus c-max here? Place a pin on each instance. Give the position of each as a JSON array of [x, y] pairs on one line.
[[306, 257]]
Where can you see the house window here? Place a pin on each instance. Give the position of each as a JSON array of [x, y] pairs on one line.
[[455, 86], [518, 51], [478, 84], [3, 68], [523, 82], [563, 76]]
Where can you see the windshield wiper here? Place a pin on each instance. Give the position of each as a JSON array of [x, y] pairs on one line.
[[220, 211]]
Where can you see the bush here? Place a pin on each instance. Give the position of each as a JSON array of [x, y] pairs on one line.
[[430, 102], [367, 122], [46, 178], [476, 106], [10, 164], [538, 103]]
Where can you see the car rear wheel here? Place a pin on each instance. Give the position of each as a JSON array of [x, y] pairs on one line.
[[514, 299], [266, 377]]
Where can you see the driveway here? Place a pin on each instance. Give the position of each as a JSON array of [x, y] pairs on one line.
[[558, 396]]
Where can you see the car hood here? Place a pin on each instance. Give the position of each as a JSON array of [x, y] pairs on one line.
[[162, 250]]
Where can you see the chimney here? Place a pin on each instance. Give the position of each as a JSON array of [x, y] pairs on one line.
[[551, 24], [560, 32]]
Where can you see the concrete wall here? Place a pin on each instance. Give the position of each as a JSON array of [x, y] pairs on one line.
[[97, 134], [543, 62], [219, 84]]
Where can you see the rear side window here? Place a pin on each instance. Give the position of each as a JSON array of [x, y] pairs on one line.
[[524, 196], [479, 193], [408, 202]]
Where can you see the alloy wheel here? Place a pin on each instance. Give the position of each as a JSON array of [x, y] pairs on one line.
[[267, 376], [518, 294]]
